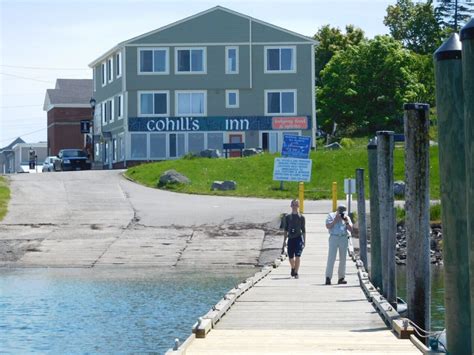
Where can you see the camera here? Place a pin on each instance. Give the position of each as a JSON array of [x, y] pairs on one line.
[[342, 215]]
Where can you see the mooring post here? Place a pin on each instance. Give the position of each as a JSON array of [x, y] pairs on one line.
[[385, 144], [375, 249], [417, 212], [467, 39], [452, 166], [361, 216]]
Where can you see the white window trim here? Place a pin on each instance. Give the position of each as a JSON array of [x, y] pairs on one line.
[[190, 92], [120, 107], [236, 59], [103, 113], [167, 61], [204, 61], [266, 71], [103, 73], [266, 92], [140, 114], [119, 64], [237, 99], [110, 62], [112, 109]]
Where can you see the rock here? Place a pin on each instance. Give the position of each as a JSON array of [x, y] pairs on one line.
[[172, 177], [224, 185], [399, 188], [248, 152], [333, 146], [210, 153]]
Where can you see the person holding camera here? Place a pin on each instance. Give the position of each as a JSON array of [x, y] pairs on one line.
[[339, 225], [295, 233]]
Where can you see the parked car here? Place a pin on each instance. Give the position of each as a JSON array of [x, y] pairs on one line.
[[48, 164], [72, 159]]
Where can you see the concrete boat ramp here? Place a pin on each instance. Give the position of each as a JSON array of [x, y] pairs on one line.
[[283, 315]]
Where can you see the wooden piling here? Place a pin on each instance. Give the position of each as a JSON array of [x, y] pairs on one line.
[[450, 109], [417, 212], [375, 250], [361, 216], [467, 39], [385, 145]]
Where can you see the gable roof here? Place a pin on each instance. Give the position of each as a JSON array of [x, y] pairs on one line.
[[216, 8], [10, 146], [71, 92]]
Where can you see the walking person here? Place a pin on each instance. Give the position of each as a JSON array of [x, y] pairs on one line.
[[295, 233], [339, 225]]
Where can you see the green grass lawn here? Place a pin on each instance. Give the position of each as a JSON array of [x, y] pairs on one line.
[[254, 174], [4, 197]]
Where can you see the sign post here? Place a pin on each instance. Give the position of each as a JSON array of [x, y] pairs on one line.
[[349, 189]]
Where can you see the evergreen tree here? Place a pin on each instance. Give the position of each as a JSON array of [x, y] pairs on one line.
[[454, 14]]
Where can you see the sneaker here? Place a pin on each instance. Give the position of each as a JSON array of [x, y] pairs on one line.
[[296, 276], [328, 281], [342, 281], [293, 272]]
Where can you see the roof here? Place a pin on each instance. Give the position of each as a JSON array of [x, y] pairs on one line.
[[70, 92], [10, 146], [122, 44]]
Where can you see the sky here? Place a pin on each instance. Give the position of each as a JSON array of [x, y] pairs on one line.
[[42, 40]]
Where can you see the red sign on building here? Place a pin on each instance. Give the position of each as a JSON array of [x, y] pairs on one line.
[[290, 122]]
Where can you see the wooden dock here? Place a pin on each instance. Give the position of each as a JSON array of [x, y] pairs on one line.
[[283, 315]]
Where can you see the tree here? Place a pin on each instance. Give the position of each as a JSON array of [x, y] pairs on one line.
[[415, 25], [331, 40], [454, 13], [365, 86]]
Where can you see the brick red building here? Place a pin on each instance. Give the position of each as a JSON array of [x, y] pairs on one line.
[[66, 105]]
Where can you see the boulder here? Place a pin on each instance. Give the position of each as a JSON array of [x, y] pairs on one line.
[[224, 185], [210, 153], [399, 188], [333, 146], [172, 177], [248, 152]]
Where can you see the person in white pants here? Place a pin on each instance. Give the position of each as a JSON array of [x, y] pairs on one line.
[[339, 226]]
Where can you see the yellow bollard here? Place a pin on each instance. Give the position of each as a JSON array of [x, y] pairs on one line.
[[301, 196], [334, 196]]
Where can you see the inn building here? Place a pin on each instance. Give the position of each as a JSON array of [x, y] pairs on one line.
[[213, 78]]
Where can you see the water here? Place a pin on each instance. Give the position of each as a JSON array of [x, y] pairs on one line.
[[437, 294], [79, 311]]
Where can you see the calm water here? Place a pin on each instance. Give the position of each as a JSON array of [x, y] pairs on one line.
[[437, 294], [77, 311]]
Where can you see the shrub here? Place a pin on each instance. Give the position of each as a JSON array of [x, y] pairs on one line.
[[347, 143]]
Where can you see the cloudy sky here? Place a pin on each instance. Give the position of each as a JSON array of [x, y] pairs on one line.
[[42, 40]]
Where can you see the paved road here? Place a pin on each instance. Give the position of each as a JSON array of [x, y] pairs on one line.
[[94, 218]]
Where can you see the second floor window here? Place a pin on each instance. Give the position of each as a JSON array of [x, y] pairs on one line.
[[110, 70], [118, 64], [281, 102], [154, 103], [191, 103], [102, 73], [190, 60], [280, 59], [154, 61]]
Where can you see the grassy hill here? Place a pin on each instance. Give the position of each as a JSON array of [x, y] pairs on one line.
[[254, 174]]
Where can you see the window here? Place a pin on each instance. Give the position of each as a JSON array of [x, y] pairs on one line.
[[119, 106], [104, 113], [104, 81], [191, 103], [195, 142], [110, 70], [215, 140], [138, 145], [109, 111], [176, 144], [232, 60], [280, 59], [114, 147], [190, 60], [118, 64], [153, 103], [282, 102], [232, 98], [153, 61], [158, 145]]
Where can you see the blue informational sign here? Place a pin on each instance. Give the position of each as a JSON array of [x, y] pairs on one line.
[[296, 146], [216, 123], [292, 169]]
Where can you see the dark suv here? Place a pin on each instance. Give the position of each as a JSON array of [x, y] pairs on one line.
[[72, 159]]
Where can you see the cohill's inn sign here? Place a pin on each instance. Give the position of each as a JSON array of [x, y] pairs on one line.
[[239, 123]]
